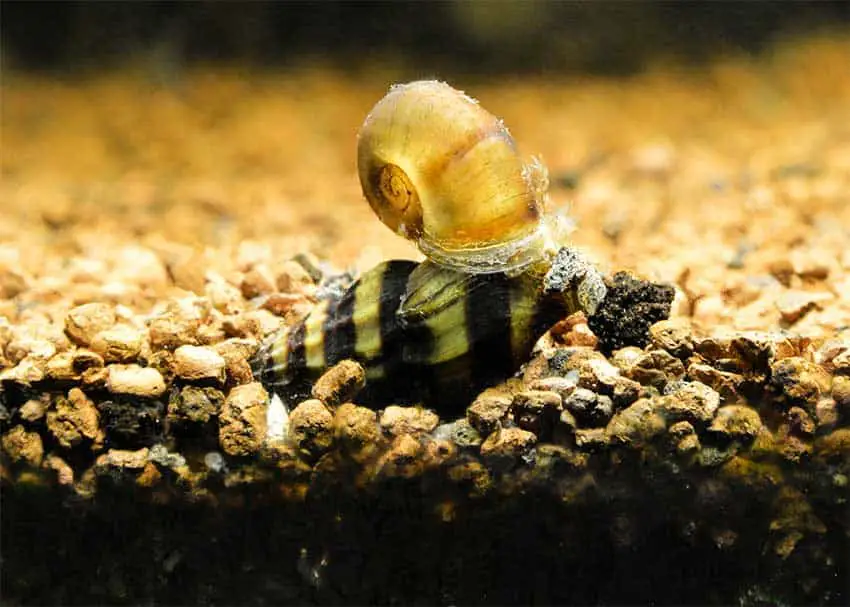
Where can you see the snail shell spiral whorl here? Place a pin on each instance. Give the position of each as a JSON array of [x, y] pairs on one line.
[[443, 172]]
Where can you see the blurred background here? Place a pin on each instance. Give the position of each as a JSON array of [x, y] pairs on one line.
[[451, 37]]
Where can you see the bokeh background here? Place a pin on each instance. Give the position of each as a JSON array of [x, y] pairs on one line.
[[454, 36]]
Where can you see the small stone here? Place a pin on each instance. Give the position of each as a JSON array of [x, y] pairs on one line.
[[536, 411], [294, 278], [690, 401], [459, 432], [834, 356], [625, 359], [311, 427], [281, 304], [223, 296], [488, 411], [397, 420], [74, 419], [22, 446], [257, 281], [556, 460], [591, 440], [242, 424], [64, 472], [134, 380], [736, 422], [119, 344], [402, 459], [179, 323], [724, 383], [656, 368], [198, 363], [827, 414], [140, 266], [34, 410], [800, 381], [589, 408], [27, 372], [69, 365], [636, 425], [841, 393], [94, 378], [800, 423], [340, 383], [674, 336], [194, 405], [123, 459], [236, 353], [626, 391], [87, 320], [833, 446], [793, 304], [563, 386], [355, 430], [508, 444]]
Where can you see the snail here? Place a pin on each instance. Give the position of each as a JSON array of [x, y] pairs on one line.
[[442, 171], [426, 333]]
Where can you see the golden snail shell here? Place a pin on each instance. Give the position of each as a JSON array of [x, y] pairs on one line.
[[440, 170]]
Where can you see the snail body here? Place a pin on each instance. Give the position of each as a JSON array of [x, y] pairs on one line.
[[443, 172]]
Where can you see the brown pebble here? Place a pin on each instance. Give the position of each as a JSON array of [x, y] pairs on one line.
[[119, 344], [22, 446], [724, 383], [64, 472], [403, 458], [281, 304], [674, 335], [591, 440], [257, 281], [841, 393], [637, 424], [242, 424], [179, 323], [397, 420], [74, 419], [536, 411], [794, 304], [800, 381], [488, 411], [34, 409], [311, 427], [87, 320], [508, 444], [692, 401], [223, 296], [737, 422], [194, 405], [293, 278], [123, 459], [656, 368], [340, 383], [197, 363], [356, 431], [134, 380], [236, 352]]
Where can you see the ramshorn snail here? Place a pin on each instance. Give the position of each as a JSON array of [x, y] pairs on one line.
[[440, 170]]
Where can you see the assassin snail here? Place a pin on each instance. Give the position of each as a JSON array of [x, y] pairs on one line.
[[442, 171]]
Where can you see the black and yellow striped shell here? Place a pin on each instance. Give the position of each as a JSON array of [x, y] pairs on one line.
[[440, 170]]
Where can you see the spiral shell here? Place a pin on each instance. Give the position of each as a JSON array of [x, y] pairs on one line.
[[443, 172]]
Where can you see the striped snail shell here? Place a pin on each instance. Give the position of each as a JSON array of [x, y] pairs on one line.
[[443, 172]]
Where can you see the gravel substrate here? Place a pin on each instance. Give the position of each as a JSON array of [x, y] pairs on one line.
[[146, 253]]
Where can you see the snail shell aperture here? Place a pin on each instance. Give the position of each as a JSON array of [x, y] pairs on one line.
[[443, 172]]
